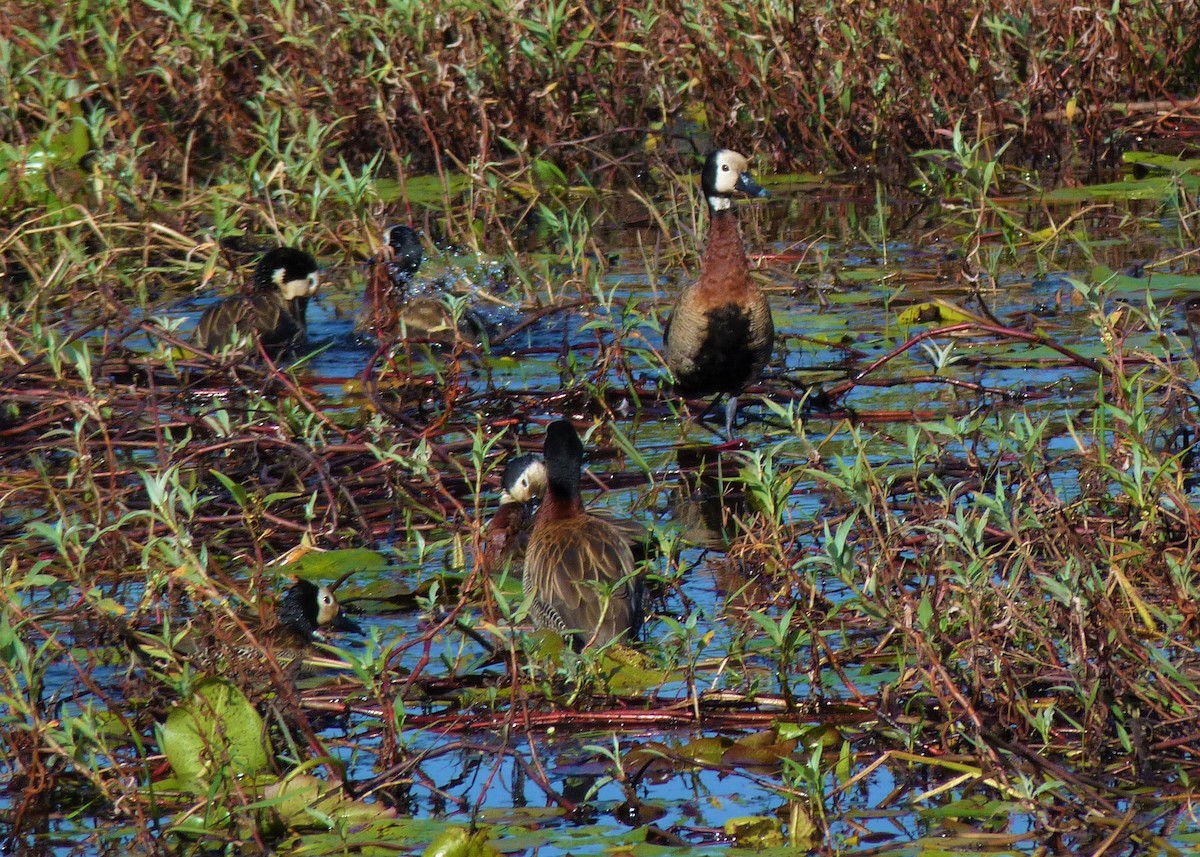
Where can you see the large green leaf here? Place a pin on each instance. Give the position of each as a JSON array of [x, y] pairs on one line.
[[216, 731]]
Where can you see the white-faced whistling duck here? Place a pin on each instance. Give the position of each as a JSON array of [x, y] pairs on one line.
[[522, 483], [284, 280], [720, 333], [306, 611], [579, 569], [390, 310]]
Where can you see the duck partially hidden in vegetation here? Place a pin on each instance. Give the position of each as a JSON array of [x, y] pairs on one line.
[[218, 642], [579, 571], [389, 307], [522, 484], [720, 334], [308, 610], [284, 280]]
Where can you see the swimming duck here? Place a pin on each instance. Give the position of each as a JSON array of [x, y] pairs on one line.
[[720, 333], [284, 279], [390, 308], [307, 609], [579, 570], [306, 612], [406, 252]]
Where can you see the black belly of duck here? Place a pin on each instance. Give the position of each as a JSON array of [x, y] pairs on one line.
[[728, 357]]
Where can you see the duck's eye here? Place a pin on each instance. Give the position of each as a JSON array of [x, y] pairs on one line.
[[725, 167], [326, 600]]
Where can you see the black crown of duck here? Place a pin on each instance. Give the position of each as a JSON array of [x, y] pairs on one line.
[[720, 333], [284, 280], [579, 569]]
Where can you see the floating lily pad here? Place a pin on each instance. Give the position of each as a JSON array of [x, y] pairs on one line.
[[461, 842], [330, 565], [305, 801], [1159, 161], [427, 191], [1154, 280], [216, 731], [937, 312], [755, 831], [1153, 188]]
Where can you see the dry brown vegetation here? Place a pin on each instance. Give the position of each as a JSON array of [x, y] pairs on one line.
[[811, 84]]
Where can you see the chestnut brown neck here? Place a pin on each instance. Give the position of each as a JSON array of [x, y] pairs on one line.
[[724, 266], [559, 504]]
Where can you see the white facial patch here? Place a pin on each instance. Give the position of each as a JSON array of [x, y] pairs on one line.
[[293, 289], [327, 607], [531, 484], [730, 166]]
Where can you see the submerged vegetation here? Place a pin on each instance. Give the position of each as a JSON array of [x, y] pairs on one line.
[[944, 586]]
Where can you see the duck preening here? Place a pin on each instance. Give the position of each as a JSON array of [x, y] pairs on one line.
[[390, 308], [284, 280], [521, 485], [720, 333], [579, 571]]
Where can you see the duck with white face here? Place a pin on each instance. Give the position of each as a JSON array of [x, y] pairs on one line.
[[309, 610], [274, 313], [522, 484], [720, 333]]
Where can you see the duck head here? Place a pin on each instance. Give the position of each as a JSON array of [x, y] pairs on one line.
[[293, 272], [404, 247], [524, 479], [308, 609], [725, 173]]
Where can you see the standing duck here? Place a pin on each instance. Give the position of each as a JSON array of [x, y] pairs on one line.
[[720, 333], [579, 570], [284, 280]]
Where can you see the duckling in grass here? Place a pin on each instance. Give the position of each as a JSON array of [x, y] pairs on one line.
[[720, 333], [579, 571], [284, 280]]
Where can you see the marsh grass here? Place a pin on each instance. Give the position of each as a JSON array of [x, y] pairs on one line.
[[992, 586]]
